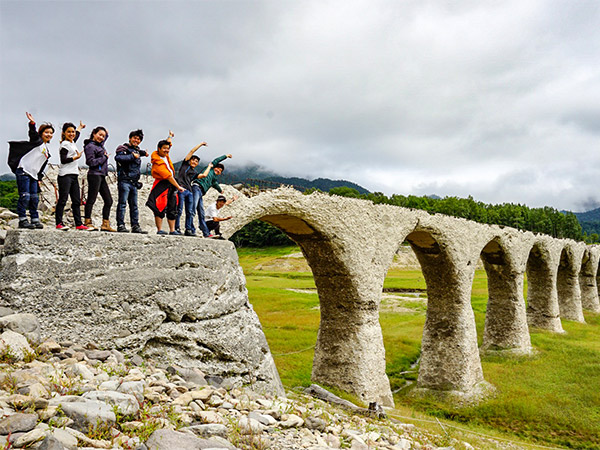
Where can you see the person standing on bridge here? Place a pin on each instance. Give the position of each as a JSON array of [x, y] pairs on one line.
[[163, 196], [185, 176], [201, 185], [129, 161], [212, 214], [96, 157], [28, 160], [68, 176]]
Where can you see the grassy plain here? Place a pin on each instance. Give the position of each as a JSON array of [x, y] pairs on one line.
[[552, 398]]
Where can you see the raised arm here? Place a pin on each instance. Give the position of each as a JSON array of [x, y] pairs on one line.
[[192, 151], [206, 171]]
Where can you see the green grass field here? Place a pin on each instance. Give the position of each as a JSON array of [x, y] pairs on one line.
[[552, 398]]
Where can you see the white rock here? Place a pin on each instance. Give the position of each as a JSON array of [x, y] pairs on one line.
[[291, 421], [16, 343], [250, 426], [127, 404]]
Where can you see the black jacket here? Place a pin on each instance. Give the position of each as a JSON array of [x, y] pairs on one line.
[[128, 166], [18, 149]]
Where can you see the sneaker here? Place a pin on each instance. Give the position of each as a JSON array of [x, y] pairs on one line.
[[175, 233], [37, 224], [62, 226], [122, 229], [82, 227], [162, 232], [138, 229], [190, 233], [210, 236], [26, 225]]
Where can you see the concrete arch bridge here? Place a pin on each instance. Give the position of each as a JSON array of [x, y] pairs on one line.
[[350, 244]]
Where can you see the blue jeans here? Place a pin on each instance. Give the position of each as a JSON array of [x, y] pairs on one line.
[[28, 196], [128, 194], [186, 197], [199, 208]]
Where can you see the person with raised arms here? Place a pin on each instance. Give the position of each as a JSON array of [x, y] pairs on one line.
[[68, 176], [163, 196], [96, 157], [201, 185], [28, 160], [185, 176]]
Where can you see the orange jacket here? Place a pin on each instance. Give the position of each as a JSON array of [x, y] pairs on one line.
[[160, 171]]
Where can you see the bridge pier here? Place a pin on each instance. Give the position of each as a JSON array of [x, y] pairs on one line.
[[449, 354], [542, 295], [588, 281], [567, 284], [505, 318]]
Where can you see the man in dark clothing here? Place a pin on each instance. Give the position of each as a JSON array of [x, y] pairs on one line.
[[185, 176], [128, 158]]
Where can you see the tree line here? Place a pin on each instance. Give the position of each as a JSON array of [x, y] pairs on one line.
[[544, 220]]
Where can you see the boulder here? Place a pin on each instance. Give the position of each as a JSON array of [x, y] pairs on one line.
[[25, 324], [15, 343], [169, 440], [18, 422], [181, 302]]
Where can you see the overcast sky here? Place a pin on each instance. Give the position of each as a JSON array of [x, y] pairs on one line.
[[495, 99]]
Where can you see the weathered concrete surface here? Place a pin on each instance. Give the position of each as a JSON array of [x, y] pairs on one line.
[[588, 281], [349, 245], [506, 319], [181, 301], [567, 283]]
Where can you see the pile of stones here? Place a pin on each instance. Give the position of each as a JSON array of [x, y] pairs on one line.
[[64, 396]]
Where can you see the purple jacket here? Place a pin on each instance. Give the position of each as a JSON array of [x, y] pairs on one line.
[[95, 157]]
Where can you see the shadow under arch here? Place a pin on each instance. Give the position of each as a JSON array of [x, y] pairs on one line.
[[505, 318], [449, 354], [542, 296], [588, 282], [567, 285], [349, 352]]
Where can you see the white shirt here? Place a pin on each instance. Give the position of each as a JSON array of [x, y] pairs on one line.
[[33, 161], [69, 168], [211, 212]]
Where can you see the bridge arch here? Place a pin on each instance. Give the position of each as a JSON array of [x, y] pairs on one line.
[[588, 280], [506, 326], [348, 273], [449, 354], [567, 283], [542, 296]]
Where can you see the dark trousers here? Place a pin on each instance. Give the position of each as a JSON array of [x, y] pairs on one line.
[[128, 195], [68, 186], [28, 196], [97, 184], [214, 226]]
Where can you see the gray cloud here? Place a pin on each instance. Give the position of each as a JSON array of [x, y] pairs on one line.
[[495, 100]]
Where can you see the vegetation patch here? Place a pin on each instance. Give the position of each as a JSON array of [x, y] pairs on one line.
[[551, 398]]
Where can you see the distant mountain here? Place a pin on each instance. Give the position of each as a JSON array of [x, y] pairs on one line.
[[255, 174], [589, 221], [7, 177]]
